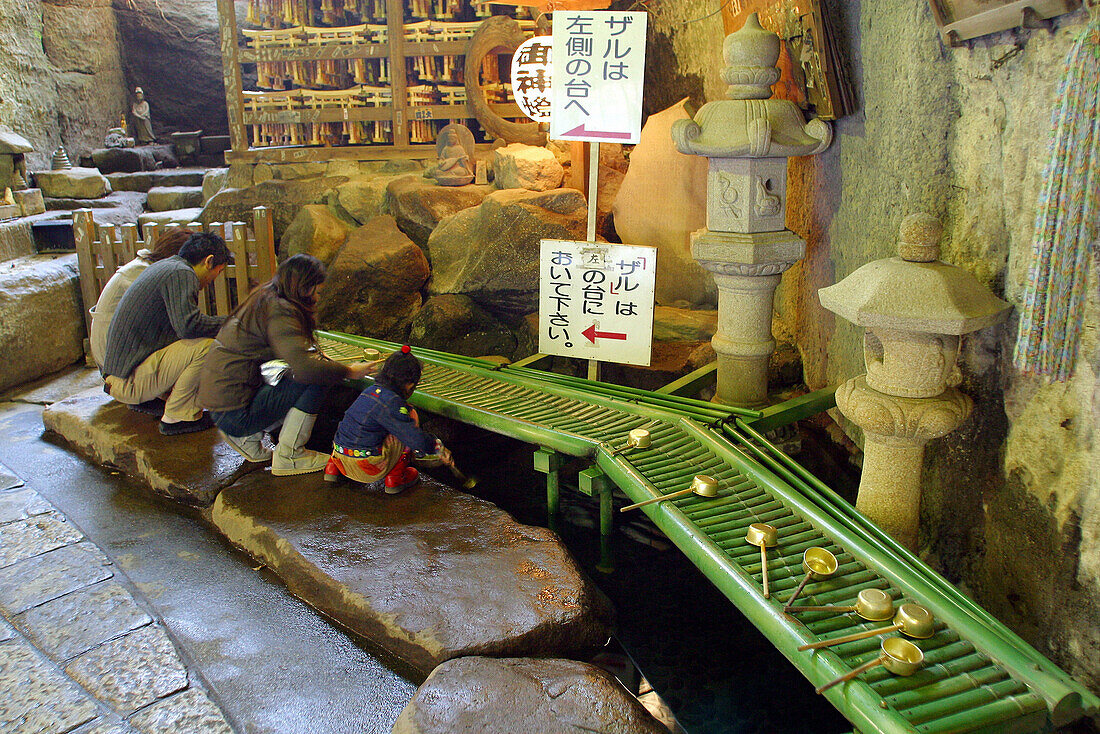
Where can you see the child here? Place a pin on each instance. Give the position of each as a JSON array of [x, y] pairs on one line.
[[379, 431]]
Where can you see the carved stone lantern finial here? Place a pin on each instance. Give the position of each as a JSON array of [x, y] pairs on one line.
[[747, 139], [915, 309]]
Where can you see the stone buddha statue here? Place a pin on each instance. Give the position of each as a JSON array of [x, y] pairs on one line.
[[143, 123], [455, 154]]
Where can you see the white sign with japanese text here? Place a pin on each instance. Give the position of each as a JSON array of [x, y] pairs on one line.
[[596, 300], [598, 68]]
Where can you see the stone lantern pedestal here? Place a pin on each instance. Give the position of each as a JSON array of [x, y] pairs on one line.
[[747, 139], [915, 309]]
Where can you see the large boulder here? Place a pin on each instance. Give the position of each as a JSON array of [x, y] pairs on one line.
[[283, 199], [430, 574], [173, 52], [454, 323], [661, 201], [167, 198], [519, 166], [314, 231], [73, 183], [373, 285], [213, 181], [419, 204], [191, 469], [124, 160], [41, 318], [361, 199], [545, 696], [491, 253]]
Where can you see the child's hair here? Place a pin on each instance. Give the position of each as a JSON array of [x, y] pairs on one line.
[[399, 369]]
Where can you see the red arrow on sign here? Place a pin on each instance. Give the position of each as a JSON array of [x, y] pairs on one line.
[[592, 335], [581, 132]]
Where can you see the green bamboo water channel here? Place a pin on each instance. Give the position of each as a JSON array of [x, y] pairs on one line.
[[978, 676]]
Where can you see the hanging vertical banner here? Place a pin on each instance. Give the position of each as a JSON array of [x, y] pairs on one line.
[[599, 64], [596, 300]]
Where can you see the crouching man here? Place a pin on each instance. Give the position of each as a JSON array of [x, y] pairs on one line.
[[158, 338]]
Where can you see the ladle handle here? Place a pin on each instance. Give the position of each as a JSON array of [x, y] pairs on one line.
[[764, 569], [850, 638], [851, 674], [820, 609], [679, 493], [798, 591]]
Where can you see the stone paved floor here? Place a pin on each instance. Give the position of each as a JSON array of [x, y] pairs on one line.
[[78, 652]]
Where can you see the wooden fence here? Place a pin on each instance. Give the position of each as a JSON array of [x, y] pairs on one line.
[[101, 250]]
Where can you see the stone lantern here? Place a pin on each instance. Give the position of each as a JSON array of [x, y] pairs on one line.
[[747, 139], [914, 308]]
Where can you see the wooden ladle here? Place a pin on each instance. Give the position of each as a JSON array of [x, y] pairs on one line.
[[900, 656], [702, 485], [765, 536], [818, 563], [912, 620], [874, 605]]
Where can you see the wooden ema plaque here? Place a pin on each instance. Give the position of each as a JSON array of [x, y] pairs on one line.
[[960, 20], [812, 69]]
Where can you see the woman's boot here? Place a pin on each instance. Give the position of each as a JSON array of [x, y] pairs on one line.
[[250, 447], [291, 456], [401, 476]]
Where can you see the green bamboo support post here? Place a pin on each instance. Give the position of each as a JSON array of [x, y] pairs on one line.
[[549, 463], [595, 483]]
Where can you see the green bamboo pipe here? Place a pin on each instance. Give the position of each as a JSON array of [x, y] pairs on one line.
[[938, 675], [1065, 696], [842, 511], [962, 699], [988, 716], [859, 704], [946, 687]]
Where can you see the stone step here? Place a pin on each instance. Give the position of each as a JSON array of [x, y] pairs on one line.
[[173, 217], [191, 469], [430, 574], [16, 239], [145, 180], [168, 198]]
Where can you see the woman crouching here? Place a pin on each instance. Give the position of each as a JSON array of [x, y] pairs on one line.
[[379, 432], [276, 321]]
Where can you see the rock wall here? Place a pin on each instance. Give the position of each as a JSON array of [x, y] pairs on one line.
[[1011, 508], [61, 80], [171, 50]]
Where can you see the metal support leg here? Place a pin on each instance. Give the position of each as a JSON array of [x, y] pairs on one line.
[[593, 482]]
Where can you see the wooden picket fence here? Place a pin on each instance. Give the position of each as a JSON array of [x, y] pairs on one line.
[[101, 250]]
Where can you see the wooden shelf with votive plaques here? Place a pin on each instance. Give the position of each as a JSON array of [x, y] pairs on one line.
[[325, 87]]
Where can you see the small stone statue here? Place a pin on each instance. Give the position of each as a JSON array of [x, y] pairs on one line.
[[59, 161], [455, 152], [143, 123]]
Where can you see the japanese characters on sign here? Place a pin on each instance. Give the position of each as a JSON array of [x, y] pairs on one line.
[[531, 77], [596, 300], [599, 65]]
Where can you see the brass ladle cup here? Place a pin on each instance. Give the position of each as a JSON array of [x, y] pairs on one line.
[[638, 438], [818, 563], [900, 656], [874, 605], [702, 485], [912, 620], [765, 536]]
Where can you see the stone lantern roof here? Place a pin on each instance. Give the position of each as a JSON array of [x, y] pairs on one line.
[[750, 124], [13, 143], [915, 291]]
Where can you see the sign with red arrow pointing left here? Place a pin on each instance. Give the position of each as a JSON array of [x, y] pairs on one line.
[[596, 300], [598, 64]]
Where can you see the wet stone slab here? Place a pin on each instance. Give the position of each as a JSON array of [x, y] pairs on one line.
[[77, 622], [100, 726], [37, 580], [36, 697], [191, 468], [547, 696], [19, 504], [188, 712], [132, 671], [34, 536], [430, 574]]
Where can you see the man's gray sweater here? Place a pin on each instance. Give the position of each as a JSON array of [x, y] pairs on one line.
[[159, 308]]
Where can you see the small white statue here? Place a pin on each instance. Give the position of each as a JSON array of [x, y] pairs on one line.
[[143, 123]]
